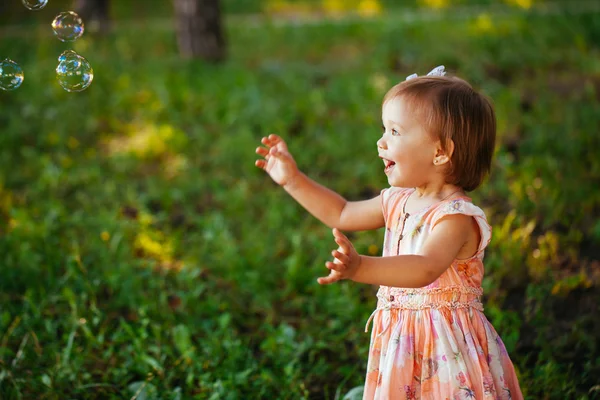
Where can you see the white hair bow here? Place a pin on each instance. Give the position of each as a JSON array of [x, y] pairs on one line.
[[437, 71]]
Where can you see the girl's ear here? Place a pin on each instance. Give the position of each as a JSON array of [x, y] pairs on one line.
[[444, 156]]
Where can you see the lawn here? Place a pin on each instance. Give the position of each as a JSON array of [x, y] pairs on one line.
[[143, 255]]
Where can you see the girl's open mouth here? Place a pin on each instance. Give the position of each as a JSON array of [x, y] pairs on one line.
[[389, 165]]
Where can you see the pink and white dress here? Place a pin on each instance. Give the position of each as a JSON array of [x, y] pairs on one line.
[[435, 342]]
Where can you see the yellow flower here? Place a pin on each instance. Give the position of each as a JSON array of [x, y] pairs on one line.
[[435, 3], [275, 6], [484, 23], [333, 6], [368, 8], [526, 4], [105, 236], [373, 250], [158, 249]]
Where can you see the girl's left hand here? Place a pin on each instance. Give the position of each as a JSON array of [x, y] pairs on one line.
[[346, 260]]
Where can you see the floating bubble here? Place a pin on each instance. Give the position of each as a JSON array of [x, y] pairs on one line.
[[35, 4], [67, 26], [74, 73], [11, 75]]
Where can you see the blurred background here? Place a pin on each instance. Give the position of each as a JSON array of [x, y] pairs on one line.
[[143, 256]]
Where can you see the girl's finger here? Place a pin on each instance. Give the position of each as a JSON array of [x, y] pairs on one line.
[[266, 142], [261, 164], [342, 240], [341, 257], [262, 151], [326, 280], [338, 235], [274, 138], [271, 140], [335, 266]]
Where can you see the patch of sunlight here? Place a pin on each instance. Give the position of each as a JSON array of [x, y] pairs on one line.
[[12, 224], [146, 141], [6, 199], [482, 24], [145, 219], [274, 6], [564, 286], [174, 165], [334, 6], [369, 8], [436, 4], [379, 82], [21, 220], [153, 247], [526, 4], [152, 244], [546, 254], [521, 234], [365, 8], [279, 7]]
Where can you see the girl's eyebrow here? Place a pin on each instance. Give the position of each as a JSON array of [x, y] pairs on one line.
[[394, 123]]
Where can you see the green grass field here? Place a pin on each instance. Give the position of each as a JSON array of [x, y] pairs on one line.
[[142, 255]]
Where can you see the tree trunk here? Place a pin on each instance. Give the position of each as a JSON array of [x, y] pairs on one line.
[[199, 31], [95, 14]]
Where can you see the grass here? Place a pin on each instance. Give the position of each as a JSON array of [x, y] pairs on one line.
[[143, 255]]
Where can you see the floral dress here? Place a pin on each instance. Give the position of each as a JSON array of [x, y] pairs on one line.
[[435, 342]]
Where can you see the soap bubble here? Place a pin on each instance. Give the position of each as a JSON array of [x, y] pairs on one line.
[[11, 75], [67, 26], [74, 73], [35, 4]]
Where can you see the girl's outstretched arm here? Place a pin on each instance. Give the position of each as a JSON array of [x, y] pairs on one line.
[[325, 204]]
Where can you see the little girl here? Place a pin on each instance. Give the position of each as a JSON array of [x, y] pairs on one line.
[[430, 338]]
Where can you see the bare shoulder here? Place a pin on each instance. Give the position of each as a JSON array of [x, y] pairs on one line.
[[450, 238], [465, 229]]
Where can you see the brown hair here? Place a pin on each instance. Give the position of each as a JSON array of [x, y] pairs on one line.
[[451, 109]]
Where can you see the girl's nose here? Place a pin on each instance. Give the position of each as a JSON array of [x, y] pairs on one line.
[[381, 143]]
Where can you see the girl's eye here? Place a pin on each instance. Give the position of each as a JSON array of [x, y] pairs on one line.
[[395, 132]]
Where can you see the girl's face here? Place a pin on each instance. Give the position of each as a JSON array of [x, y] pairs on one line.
[[406, 148]]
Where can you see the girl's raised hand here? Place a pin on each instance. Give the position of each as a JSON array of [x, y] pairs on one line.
[[277, 161], [346, 260]]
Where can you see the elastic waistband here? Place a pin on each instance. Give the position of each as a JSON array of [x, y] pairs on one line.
[[454, 297]]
